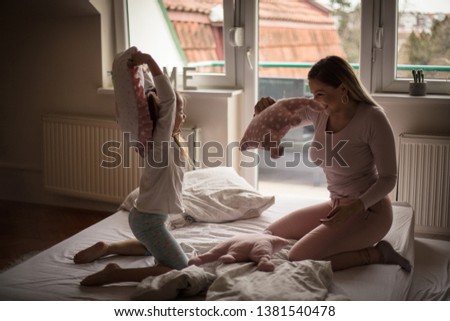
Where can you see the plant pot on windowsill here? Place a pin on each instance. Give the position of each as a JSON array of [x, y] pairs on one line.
[[417, 88]]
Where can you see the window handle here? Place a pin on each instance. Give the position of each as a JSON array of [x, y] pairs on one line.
[[379, 38], [249, 56]]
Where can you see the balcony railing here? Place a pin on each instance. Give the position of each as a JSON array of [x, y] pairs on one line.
[[280, 64]]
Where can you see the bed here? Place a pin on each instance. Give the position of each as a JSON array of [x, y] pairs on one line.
[[52, 275]]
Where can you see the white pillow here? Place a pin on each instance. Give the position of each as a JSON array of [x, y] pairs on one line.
[[174, 221], [216, 194]]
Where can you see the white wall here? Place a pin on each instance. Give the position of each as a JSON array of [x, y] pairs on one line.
[[50, 62], [421, 115]]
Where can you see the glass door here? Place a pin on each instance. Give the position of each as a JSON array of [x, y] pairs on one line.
[[293, 35]]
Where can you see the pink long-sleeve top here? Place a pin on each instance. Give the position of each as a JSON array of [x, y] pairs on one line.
[[359, 161]]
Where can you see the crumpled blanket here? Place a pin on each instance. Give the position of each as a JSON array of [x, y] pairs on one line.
[[174, 284], [290, 281]]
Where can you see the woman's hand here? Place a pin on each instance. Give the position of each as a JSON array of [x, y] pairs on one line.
[[316, 106], [262, 104], [343, 212]]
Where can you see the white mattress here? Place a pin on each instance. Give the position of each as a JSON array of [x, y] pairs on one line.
[[431, 279], [52, 275], [383, 282]]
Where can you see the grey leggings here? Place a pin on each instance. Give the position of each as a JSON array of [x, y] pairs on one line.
[[150, 229]]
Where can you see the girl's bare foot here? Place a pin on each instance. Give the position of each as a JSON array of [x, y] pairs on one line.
[[391, 256], [102, 277], [92, 253]]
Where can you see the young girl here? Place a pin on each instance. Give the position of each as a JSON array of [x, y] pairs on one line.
[[160, 193]]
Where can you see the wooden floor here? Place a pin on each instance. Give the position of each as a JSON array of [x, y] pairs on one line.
[[26, 228]]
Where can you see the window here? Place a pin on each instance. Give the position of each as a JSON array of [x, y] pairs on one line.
[[187, 36], [410, 35], [377, 46], [396, 37], [292, 37]]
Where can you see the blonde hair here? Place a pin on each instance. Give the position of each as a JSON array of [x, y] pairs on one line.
[[179, 140], [334, 71], [180, 102]]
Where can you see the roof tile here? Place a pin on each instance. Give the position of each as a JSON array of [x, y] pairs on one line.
[[290, 31]]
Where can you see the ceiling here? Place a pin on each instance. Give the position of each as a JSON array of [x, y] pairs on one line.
[[49, 8]]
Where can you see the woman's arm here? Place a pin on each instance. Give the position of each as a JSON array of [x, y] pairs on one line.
[[382, 146]]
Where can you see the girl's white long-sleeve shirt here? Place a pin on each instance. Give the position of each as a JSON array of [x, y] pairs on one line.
[[160, 189]]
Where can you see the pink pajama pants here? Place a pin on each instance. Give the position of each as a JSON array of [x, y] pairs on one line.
[[346, 244]]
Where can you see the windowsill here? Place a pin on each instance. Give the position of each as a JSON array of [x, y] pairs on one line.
[[105, 91], [232, 92], [216, 93], [430, 97]]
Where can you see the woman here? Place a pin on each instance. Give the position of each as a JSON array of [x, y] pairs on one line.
[[354, 144]]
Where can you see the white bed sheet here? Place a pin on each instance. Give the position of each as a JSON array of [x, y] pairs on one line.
[[431, 280], [52, 275], [378, 281]]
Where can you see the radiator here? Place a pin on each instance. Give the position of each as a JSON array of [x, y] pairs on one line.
[[424, 180], [81, 157]]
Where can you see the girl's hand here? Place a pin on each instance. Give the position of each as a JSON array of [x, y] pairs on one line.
[[138, 59], [343, 212]]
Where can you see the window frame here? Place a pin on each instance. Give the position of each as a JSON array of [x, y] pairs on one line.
[[198, 80], [380, 16], [378, 55]]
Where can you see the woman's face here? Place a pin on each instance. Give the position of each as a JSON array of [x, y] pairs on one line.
[[327, 95]]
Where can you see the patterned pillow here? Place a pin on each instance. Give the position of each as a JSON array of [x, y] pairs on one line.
[[270, 125], [130, 87]]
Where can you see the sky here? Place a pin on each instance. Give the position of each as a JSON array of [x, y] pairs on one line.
[[430, 6]]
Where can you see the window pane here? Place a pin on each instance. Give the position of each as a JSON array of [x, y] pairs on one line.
[[198, 30], [293, 35], [186, 33], [423, 38]]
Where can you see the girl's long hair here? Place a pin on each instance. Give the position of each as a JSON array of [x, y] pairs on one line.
[[334, 71], [153, 105], [180, 101], [182, 146], [177, 137]]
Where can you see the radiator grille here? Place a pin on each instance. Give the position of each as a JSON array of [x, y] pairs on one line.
[[73, 157], [81, 157], [424, 180]]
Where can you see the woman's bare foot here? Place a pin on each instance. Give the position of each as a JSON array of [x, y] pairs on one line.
[[390, 256], [92, 253], [102, 277]]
